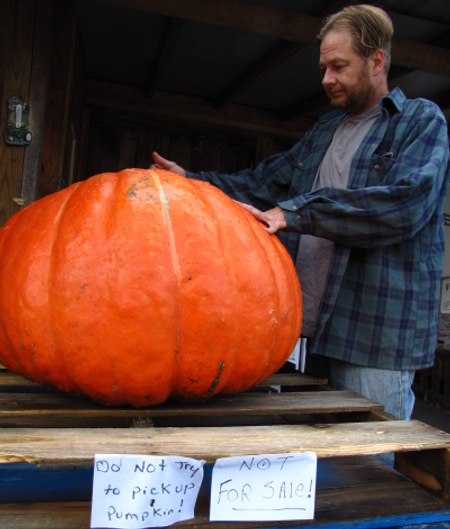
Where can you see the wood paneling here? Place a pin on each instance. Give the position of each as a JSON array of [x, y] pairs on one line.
[[58, 100], [118, 142], [16, 38], [38, 97], [185, 109]]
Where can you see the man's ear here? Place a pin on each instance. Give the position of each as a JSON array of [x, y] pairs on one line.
[[377, 59]]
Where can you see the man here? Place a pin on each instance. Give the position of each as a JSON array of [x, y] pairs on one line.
[[358, 203]]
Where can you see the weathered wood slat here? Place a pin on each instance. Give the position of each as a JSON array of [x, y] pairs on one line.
[[431, 469], [13, 382], [348, 489], [406, 503], [24, 403], [287, 380], [358, 488], [55, 446], [67, 515], [53, 404]]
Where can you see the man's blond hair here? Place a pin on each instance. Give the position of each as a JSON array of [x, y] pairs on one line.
[[370, 26]]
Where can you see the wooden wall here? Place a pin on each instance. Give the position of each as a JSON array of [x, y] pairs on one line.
[[40, 62], [62, 135], [77, 133], [117, 142], [16, 43]]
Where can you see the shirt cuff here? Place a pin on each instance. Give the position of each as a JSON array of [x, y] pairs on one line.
[[293, 220], [296, 219], [190, 174]]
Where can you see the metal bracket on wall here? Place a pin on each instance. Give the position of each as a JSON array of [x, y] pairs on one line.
[[17, 124]]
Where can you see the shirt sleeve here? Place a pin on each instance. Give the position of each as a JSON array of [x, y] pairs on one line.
[[262, 187], [400, 192]]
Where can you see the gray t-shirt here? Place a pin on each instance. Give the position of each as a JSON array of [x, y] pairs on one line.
[[314, 254]]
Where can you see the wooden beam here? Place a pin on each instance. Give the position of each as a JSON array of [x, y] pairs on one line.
[[38, 98], [48, 446], [172, 29], [272, 60], [236, 14], [16, 38], [430, 469], [421, 56], [130, 100], [287, 25], [266, 65]]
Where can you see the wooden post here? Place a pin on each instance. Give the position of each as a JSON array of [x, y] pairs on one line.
[[60, 79], [16, 37], [38, 98]]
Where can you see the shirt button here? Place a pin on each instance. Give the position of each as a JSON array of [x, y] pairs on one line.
[[297, 218], [300, 165], [376, 167]]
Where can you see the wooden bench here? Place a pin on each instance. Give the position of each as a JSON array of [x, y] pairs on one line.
[[48, 441]]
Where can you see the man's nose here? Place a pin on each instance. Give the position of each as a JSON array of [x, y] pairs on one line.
[[328, 77]]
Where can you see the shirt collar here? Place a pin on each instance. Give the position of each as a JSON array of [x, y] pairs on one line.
[[394, 101]]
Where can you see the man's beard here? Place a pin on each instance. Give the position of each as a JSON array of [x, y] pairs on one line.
[[359, 96]]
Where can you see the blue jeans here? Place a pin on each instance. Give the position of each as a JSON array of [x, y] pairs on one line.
[[390, 388]]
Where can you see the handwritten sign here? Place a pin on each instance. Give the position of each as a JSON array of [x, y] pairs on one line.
[[264, 487], [134, 492]]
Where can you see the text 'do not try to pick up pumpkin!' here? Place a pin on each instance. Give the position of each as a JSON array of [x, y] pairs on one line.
[[137, 286]]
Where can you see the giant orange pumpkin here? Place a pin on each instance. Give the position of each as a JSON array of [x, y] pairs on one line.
[[137, 286]]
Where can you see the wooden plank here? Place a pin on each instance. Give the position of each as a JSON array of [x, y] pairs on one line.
[[430, 469], [283, 24], [16, 37], [367, 494], [58, 96], [66, 446], [110, 148], [181, 148], [53, 404], [182, 108], [128, 148], [244, 16], [76, 515], [38, 98], [14, 382], [268, 63], [145, 146], [287, 380], [171, 32], [94, 150], [64, 515]]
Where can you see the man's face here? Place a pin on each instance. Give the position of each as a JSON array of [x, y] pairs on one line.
[[347, 78]]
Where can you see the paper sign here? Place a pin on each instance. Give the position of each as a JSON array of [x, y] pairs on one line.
[[134, 492], [264, 487], [294, 358]]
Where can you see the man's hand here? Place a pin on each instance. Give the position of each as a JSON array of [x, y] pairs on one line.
[[162, 163], [274, 218]]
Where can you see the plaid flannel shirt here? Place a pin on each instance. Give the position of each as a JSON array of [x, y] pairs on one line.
[[380, 305]]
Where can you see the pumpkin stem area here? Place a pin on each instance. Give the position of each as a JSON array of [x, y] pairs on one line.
[[216, 380]]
